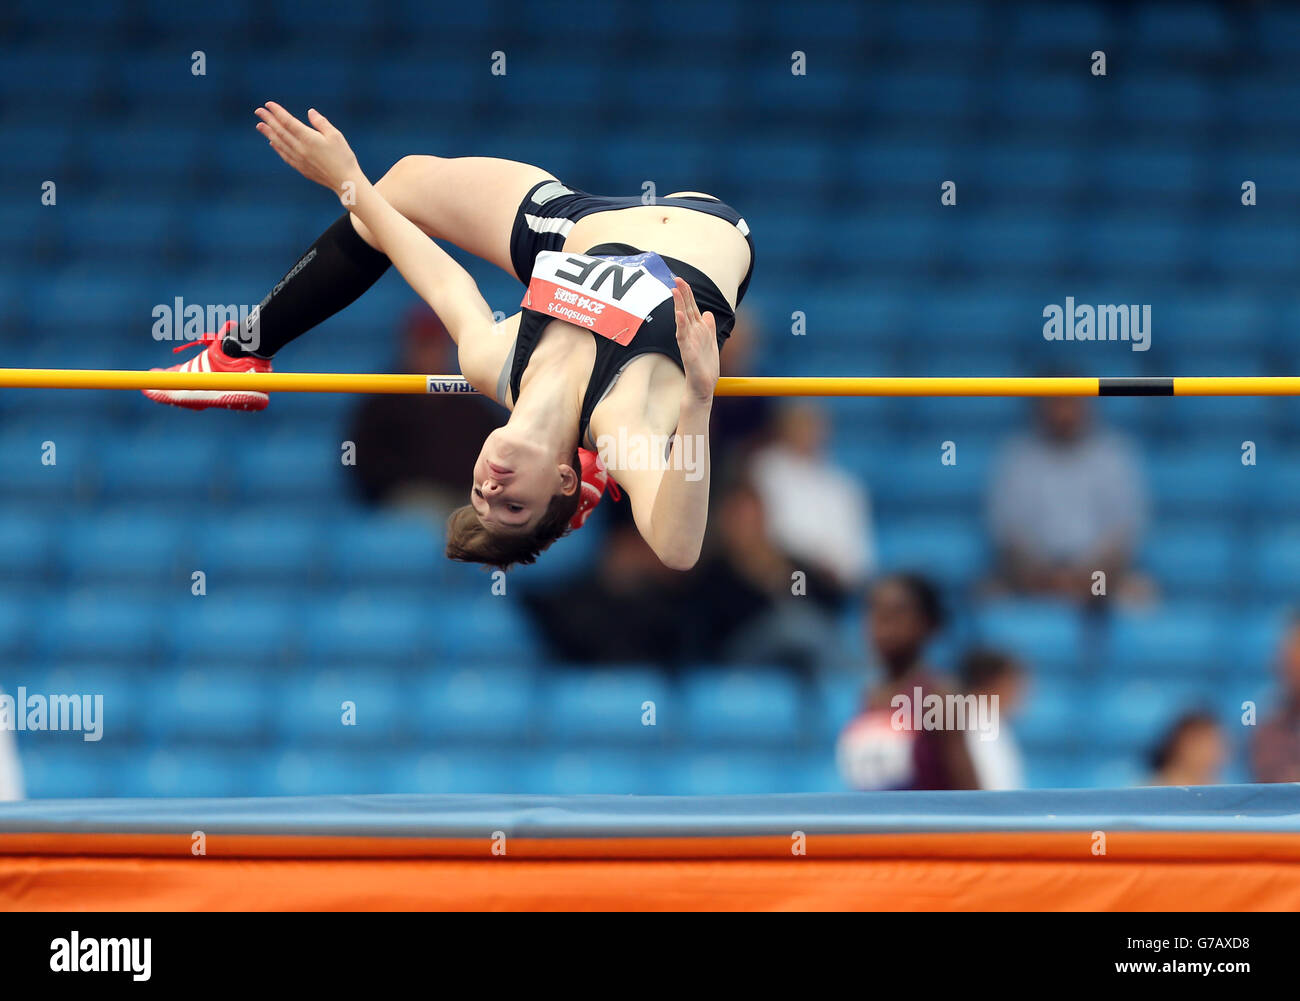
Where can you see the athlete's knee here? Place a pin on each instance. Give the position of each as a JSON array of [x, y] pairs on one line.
[[406, 187], [409, 174]]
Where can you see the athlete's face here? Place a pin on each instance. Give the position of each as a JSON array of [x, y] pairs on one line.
[[514, 481]]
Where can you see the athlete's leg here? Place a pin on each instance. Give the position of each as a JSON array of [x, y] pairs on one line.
[[469, 201]]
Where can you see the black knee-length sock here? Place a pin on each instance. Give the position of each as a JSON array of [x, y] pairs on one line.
[[334, 272]]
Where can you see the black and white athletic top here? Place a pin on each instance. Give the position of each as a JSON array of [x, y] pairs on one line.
[[624, 297]]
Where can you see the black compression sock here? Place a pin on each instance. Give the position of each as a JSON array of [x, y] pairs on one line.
[[335, 271]]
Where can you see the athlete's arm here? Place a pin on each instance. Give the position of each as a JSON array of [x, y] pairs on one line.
[[671, 506], [321, 154]]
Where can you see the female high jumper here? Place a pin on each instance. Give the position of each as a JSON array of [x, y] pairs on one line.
[[590, 358]]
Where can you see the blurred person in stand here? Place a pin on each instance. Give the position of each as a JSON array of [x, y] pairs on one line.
[[882, 747], [817, 514], [1275, 751], [1067, 499], [628, 588], [744, 604], [11, 775], [1191, 753], [996, 756]]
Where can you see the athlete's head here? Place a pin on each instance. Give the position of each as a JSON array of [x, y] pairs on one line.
[[522, 499]]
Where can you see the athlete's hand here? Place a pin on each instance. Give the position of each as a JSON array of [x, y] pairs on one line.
[[317, 151], [697, 337]]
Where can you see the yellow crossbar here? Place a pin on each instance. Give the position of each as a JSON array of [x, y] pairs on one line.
[[303, 382]]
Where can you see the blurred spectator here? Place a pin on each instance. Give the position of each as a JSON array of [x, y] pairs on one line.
[[1066, 500], [629, 590], [736, 606], [1275, 755], [738, 423], [817, 514], [742, 606], [882, 748], [11, 776], [997, 760], [406, 454], [1191, 753]]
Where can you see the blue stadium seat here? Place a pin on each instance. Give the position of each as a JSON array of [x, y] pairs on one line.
[[220, 703], [1194, 559], [73, 769], [1036, 28], [1182, 29], [348, 707], [1135, 715], [299, 466], [701, 773], [231, 624], [261, 547], [1048, 637], [742, 704], [917, 479], [580, 772], [475, 702], [387, 548], [1053, 172], [1137, 244], [1259, 104], [838, 699], [1258, 634], [17, 630], [173, 466], [124, 689], [1249, 246], [381, 629], [1054, 771], [1052, 717], [231, 16], [607, 704], [952, 551], [116, 629], [193, 771], [53, 75], [1165, 101], [1186, 485], [327, 773], [877, 165], [252, 229], [888, 240], [480, 770], [997, 245], [487, 628], [1032, 97], [1195, 322], [47, 463], [27, 542], [1174, 642], [1273, 562]]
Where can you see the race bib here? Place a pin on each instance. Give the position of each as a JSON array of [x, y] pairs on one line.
[[610, 296]]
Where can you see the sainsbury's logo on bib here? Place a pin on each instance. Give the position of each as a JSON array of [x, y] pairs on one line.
[[610, 296]]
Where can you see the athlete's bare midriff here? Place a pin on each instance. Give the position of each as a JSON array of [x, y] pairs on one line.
[[706, 242]]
